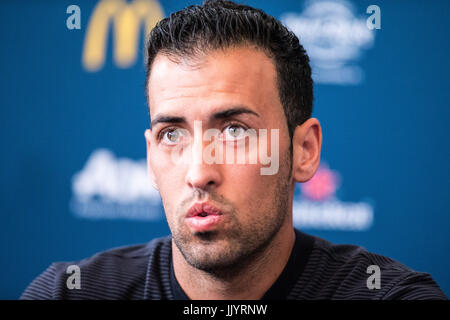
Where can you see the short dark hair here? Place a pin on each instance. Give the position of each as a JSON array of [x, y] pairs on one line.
[[221, 24]]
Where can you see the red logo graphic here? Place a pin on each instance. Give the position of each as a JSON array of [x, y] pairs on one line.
[[322, 185]]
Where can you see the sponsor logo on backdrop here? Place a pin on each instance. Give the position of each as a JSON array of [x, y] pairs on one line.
[[319, 208], [114, 188], [126, 19], [334, 38], [108, 187], [331, 32]]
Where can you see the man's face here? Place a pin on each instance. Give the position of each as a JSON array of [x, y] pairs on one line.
[[219, 214]]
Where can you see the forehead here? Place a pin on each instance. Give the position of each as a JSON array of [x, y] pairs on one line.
[[234, 76]]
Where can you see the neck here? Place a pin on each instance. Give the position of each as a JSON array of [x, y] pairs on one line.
[[249, 281]]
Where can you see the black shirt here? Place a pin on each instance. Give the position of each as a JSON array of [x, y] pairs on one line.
[[316, 269]]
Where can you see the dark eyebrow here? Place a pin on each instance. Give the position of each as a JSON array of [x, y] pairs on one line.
[[166, 119], [228, 113], [233, 112]]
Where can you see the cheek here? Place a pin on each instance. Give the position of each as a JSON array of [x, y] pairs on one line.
[[168, 176], [162, 165], [246, 187]]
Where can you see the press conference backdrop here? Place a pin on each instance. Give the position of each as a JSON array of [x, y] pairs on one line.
[[73, 114]]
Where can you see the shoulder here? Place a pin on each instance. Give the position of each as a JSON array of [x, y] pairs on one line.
[[118, 273], [338, 271]]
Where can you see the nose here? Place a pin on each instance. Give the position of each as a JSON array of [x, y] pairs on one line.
[[202, 174]]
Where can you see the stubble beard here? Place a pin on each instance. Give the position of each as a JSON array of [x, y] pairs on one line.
[[224, 253]]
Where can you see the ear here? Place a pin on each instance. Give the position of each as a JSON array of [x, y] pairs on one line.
[[306, 146], [151, 174]]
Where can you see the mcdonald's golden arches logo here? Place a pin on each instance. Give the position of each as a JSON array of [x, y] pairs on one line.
[[126, 18]]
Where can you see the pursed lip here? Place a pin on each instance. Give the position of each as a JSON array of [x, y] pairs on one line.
[[199, 208]]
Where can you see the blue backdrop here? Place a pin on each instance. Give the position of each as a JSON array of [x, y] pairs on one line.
[[73, 114]]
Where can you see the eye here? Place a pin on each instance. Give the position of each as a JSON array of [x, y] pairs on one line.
[[233, 132], [171, 136]]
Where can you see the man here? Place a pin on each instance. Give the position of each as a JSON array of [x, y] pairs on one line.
[[226, 84]]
